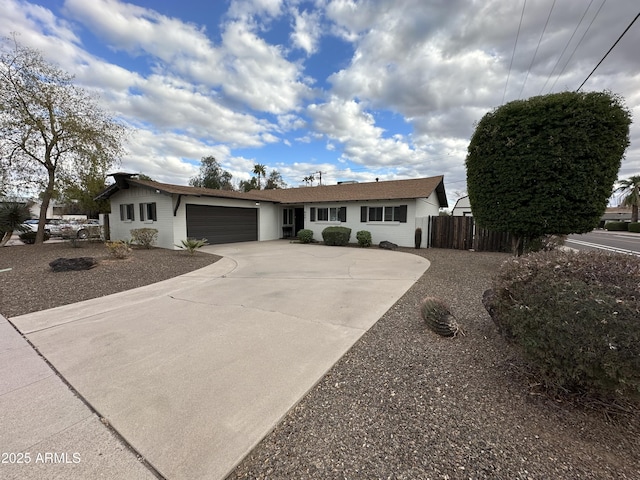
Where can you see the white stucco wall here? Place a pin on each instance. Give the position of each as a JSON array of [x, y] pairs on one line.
[[401, 234], [425, 208], [121, 230], [269, 221]]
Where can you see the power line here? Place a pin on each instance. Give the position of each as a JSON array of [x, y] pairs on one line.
[[514, 51], [577, 45], [565, 47], [608, 52], [537, 47]]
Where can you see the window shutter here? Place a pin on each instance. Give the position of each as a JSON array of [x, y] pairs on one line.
[[403, 214], [363, 214], [142, 207], [122, 207], [342, 214], [312, 214], [152, 212]]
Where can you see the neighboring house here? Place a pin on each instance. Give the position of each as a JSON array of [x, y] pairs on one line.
[[390, 210], [462, 208], [616, 214], [54, 210]]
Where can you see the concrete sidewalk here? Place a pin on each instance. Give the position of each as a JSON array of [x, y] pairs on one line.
[[194, 371]]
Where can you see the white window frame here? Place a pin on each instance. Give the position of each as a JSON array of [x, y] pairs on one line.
[[148, 212]]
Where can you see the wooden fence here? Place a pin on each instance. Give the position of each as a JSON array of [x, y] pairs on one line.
[[461, 233]]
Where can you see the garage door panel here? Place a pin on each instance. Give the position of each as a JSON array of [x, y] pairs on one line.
[[222, 224]]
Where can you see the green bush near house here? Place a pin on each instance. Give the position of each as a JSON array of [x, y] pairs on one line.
[[145, 237], [336, 236], [634, 227], [364, 238], [305, 236], [617, 226], [575, 318]]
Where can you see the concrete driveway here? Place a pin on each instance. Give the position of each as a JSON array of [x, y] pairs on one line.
[[194, 371]]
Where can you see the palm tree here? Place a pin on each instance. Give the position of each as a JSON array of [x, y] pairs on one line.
[[630, 188], [260, 171]]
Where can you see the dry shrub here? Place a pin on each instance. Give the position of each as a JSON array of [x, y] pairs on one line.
[[118, 249], [576, 316]]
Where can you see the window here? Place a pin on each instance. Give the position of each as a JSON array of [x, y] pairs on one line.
[[148, 212], [391, 214], [375, 214], [328, 214], [384, 214], [126, 212], [287, 216]]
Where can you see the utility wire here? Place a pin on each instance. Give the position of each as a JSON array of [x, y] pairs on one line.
[[537, 47], [608, 52], [577, 45], [514, 51], [565, 48]]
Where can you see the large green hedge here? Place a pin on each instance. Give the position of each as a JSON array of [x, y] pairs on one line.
[[617, 226], [547, 165]]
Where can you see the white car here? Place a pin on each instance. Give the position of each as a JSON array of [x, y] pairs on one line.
[[61, 228]]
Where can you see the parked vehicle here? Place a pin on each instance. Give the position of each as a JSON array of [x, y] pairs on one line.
[[33, 224], [81, 230], [62, 228]]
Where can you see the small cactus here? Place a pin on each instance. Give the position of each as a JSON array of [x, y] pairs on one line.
[[439, 318]]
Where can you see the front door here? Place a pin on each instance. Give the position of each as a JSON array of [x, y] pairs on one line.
[[299, 220]]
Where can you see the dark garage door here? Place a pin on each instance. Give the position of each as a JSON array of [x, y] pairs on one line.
[[222, 224]]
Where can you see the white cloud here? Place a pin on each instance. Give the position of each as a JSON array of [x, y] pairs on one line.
[[437, 67], [262, 77], [307, 30], [140, 30]]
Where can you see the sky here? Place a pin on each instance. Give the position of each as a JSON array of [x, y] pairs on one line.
[[356, 90]]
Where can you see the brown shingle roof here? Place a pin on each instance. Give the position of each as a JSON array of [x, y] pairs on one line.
[[351, 192]]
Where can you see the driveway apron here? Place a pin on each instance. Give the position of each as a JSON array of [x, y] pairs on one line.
[[194, 371]]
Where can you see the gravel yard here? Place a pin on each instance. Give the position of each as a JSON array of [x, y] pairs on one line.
[[30, 285], [403, 403]]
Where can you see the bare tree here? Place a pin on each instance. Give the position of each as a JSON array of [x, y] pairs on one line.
[[50, 129]]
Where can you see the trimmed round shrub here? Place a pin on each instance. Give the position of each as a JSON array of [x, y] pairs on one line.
[[575, 317], [336, 236], [305, 236], [145, 237], [616, 226], [364, 238], [29, 238], [634, 227]]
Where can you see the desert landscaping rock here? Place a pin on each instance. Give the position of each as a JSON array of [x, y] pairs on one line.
[[388, 245], [72, 264]]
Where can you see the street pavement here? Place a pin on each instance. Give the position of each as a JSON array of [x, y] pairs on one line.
[[614, 242], [194, 371]]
